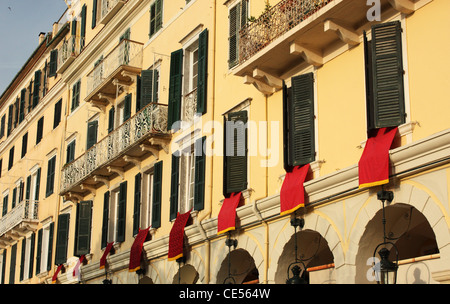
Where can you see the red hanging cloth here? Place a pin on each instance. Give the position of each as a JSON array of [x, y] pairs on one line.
[[226, 220], [292, 195], [176, 237]]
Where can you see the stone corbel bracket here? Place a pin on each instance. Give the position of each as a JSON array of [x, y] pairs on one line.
[[312, 57], [403, 6], [264, 82], [347, 35]]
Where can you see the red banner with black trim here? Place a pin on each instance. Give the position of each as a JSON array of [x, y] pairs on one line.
[[108, 248], [373, 165], [176, 237], [55, 275], [226, 221], [136, 250], [292, 194]]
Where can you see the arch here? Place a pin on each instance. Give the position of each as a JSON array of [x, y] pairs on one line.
[[238, 267], [415, 214], [312, 249], [186, 275]]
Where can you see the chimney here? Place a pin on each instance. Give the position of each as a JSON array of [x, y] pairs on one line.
[[55, 29], [41, 37]]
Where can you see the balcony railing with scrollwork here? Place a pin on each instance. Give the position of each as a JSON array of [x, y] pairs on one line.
[[126, 53], [273, 23], [108, 7], [190, 106], [150, 120], [25, 210], [69, 50]]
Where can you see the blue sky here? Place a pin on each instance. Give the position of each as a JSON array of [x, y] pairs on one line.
[[21, 21]]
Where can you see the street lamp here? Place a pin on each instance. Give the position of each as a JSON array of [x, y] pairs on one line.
[[385, 270], [294, 266]]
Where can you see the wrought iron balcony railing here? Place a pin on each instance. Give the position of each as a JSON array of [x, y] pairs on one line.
[[68, 51], [25, 211], [274, 23], [125, 57], [151, 120], [190, 106], [109, 8]]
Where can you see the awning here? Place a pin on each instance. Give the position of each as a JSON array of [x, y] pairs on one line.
[[55, 275], [176, 237], [136, 250], [108, 248], [374, 163], [292, 195], [76, 269], [226, 220]]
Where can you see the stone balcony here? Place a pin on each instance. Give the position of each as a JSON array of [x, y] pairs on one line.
[[141, 136]]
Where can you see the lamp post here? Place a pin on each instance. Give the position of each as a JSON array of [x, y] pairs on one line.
[[294, 266], [385, 270]]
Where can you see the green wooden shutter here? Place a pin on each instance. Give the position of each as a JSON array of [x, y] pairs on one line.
[[83, 232], [104, 240], [233, 38], [70, 152], [199, 185], [146, 87], [37, 86], [38, 252], [14, 197], [301, 120], [137, 203], [387, 64], [12, 264], [121, 213], [202, 72], [50, 176], [127, 107], [22, 105], [62, 239], [40, 130], [74, 27], [28, 188], [3, 267], [94, 13], [22, 259], [50, 246], [92, 134], [31, 265], [174, 186], [157, 191], [53, 63], [286, 92], [10, 119], [75, 95], [83, 27], [111, 119], [38, 185], [5, 205], [175, 84], [57, 114], [236, 152]]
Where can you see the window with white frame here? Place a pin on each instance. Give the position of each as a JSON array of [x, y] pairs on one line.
[[147, 199]]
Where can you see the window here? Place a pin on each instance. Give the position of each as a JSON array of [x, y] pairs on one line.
[[238, 16], [2, 266], [32, 187], [94, 13], [27, 258], [57, 114], [50, 176], [44, 248], [194, 86], [188, 179], [10, 119], [24, 144], [53, 63], [148, 88], [37, 87], [123, 111], [76, 95], [40, 130], [235, 160], [155, 17], [2, 126], [5, 203], [62, 238], [83, 228], [70, 152], [114, 211], [11, 158], [299, 121], [22, 105], [91, 134], [384, 76], [12, 264], [17, 195]]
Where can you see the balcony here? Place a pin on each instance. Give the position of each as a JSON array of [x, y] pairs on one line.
[[68, 51], [18, 222], [142, 135], [118, 68], [109, 8], [296, 32], [189, 108]]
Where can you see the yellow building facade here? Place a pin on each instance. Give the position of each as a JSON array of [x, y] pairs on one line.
[[119, 122]]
